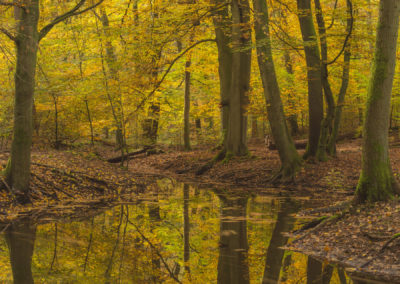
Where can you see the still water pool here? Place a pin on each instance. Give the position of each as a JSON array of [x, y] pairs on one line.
[[176, 233]]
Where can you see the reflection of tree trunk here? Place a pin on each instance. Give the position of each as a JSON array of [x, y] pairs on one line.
[[316, 273], [89, 246], [20, 238], [233, 246], [284, 223], [155, 218], [107, 274], [186, 228]]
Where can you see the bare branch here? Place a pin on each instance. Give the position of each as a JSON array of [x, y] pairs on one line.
[[73, 12], [348, 35], [8, 34]]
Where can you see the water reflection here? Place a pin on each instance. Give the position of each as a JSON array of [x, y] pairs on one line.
[[284, 223], [233, 245], [176, 234], [20, 238]]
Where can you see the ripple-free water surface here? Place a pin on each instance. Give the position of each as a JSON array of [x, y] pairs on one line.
[[177, 233]]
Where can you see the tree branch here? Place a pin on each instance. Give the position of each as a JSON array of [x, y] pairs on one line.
[[8, 34], [346, 40], [73, 12], [167, 71]]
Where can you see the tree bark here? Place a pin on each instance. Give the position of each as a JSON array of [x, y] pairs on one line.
[[287, 151], [326, 125], [18, 175], [376, 180], [236, 143], [343, 88], [221, 24], [315, 98]]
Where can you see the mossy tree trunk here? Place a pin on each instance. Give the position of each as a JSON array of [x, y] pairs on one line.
[[315, 98], [376, 180], [288, 155]]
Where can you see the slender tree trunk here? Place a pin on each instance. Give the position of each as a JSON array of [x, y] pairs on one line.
[[376, 180], [326, 126], [18, 173], [287, 151], [343, 87], [315, 98], [221, 23], [186, 111], [294, 126]]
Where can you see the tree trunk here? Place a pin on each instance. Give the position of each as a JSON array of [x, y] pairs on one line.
[[343, 87], [241, 62], [376, 180], [18, 175], [287, 151], [315, 99], [186, 110], [326, 126], [292, 119], [221, 23]]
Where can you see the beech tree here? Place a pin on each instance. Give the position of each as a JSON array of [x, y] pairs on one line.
[[314, 78], [287, 151], [27, 38], [376, 180]]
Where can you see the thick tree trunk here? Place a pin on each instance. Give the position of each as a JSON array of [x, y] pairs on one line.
[[287, 151], [18, 175], [376, 180], [241, 62], [315, 98], [343, 87]]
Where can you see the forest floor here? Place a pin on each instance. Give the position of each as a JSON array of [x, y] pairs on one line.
[[74, 180]]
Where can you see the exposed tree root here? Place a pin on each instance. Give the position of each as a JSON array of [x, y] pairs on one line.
[[385, 245], [208, 166]]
